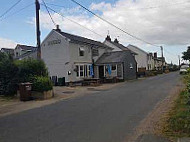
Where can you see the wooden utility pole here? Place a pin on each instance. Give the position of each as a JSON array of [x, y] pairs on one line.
[[38, 29], [162, 58], [179, 60]]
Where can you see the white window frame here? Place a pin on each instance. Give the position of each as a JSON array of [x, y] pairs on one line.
[[81, 49], [79, 70]]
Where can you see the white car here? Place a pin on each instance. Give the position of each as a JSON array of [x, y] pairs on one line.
[[183, 69]]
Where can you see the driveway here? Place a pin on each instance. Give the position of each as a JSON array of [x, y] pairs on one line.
[[103, 116]]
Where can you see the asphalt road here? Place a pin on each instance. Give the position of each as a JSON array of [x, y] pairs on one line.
[[106, 116]]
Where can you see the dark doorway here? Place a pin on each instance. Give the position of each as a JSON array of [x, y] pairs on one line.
[[101, 72]]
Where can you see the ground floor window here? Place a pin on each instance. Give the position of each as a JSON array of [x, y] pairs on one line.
[[83, 70]]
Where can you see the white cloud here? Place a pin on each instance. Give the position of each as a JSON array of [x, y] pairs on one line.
[[6, 43], [100, 6], [165, 25]]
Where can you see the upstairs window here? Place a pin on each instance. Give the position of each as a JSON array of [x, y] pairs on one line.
[[81, 51], [95, 52]]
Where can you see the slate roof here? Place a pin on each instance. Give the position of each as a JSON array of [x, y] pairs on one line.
[[79, 39], [7, 49], [113, 57], [136, 48], [122, 47], [26, 47]]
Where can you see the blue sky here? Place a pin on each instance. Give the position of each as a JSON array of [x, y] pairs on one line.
[[20, 28]]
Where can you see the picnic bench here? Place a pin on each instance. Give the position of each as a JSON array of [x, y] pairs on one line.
[[91, 81]]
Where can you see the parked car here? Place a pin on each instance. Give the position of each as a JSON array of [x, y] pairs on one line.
[[183, 69]]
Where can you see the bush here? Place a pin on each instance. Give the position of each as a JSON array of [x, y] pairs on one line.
[[29, 68], [41, 84], [8, 75]]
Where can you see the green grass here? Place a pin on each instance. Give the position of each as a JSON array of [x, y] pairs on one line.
[[178, 123], [7, 98]]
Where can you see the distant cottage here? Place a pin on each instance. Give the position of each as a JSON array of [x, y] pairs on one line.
[[24, 52]]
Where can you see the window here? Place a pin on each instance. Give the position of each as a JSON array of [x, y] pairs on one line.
[[89, 70], [85, 70], [113, 68], [81, 70], [77, 70], [131, 66], [95, 52], [81, 51]]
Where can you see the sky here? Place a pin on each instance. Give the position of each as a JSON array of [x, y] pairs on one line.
[[161, 22]]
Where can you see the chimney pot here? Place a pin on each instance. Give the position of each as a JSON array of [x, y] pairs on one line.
[[108, 38], [57, 28], [116, 41]]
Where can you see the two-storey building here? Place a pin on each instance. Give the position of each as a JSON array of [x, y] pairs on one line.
[[70, 56]]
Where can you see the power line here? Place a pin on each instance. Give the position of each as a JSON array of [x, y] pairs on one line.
[[170, 52], [49, 13], [114, 25], [160, 6], [17, 11], [73, 21], [10, 8], [143, 8]]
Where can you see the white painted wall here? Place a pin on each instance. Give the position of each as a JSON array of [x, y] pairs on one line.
[[56, 56], [63, 57], [141, 58]]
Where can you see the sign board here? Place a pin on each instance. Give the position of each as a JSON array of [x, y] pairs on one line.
[[53, 42]]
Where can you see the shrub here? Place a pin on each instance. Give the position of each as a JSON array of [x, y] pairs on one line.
[[29, 68], [41, 84], [8, 75]]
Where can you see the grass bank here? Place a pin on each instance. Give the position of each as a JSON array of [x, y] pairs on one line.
[[178, 123]]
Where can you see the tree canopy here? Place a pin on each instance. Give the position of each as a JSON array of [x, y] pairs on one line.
[[186, 54]]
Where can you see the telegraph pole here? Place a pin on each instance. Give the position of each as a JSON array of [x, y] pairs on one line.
[[162, 58], [38, 29], [179, 60]]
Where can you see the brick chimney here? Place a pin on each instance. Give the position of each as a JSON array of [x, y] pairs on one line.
[[108, 38], [150, 54], [155, 55], [116, 41], [57, 28]]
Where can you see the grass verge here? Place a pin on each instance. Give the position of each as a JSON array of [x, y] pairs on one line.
[[178, 122]]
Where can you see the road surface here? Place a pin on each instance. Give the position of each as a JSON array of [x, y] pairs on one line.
[[104, 116]]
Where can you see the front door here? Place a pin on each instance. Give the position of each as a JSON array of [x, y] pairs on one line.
[[101, 72]]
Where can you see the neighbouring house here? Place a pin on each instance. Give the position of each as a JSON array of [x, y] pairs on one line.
[[165, 65], [119, 64], [158, 62], [71, 57], [24, 52], [142, 58], [114, 44], [151, 62], [8, 51]]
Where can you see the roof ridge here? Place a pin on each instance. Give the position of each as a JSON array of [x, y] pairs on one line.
[[82, 39]]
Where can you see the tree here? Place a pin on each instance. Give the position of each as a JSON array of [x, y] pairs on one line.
[[186, 54], [8, 75], [30, 68]]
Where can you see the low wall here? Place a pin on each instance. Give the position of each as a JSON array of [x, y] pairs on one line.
[[42, 95]]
